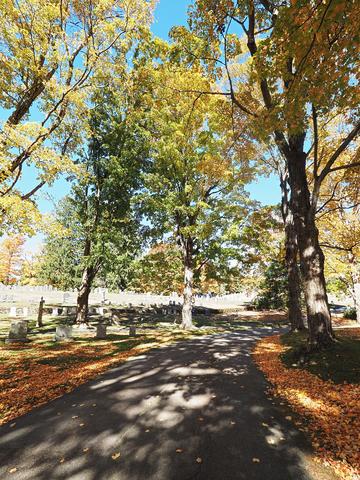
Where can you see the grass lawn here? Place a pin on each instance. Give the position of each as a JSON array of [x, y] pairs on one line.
[[339, 363], [34, 373]]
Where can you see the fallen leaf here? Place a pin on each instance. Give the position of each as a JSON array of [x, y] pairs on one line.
[[232, 423], [199, 460], [264, 424], [86, 449], [115, 455], [75, 416], [62, 460], [13, 470], [256, 460], [82, 424], [179, 450], [12, 425], [288, 417]]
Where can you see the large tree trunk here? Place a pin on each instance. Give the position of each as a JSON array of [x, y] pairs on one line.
[[294, 289], [186, 322], [311, 255], [291, 259]]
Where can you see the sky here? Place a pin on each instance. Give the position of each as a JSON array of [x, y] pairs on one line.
[[168, 13]]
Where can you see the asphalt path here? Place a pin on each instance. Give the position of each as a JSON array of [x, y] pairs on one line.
[[195, 410]]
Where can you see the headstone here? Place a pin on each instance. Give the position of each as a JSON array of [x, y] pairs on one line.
[[13, 312], [101, 310], [18, 332], [132, 331], [25, 312], [101, 331], [63, 333], [55, 312], [66, 298]]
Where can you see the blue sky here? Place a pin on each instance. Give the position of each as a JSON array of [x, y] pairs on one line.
[[168, 13]]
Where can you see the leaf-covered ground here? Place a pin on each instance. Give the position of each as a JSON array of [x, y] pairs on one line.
[[35, 373], [328, 411]]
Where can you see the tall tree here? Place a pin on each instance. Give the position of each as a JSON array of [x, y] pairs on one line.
[[194, 191], [52, 54], [301, 60], [338, 221], [11, 259]]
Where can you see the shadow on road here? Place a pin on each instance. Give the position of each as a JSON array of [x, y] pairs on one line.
[[195, 410]]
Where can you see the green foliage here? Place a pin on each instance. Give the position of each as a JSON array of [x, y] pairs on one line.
[[159, 271], [273, 289], [350, 313]]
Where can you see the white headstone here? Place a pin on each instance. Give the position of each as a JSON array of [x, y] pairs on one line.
[[18, 332], [13, 311], [63, 333]]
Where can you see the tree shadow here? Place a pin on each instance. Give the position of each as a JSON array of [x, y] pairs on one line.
[[195, 410]]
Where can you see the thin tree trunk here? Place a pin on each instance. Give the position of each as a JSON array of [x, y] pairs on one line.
[[311, 255], [85, 288], [188, 287], [291, 259], [83, 296], [355, 277]]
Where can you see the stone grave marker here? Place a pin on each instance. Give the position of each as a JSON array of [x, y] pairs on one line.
[[101, 331], [66, 298], [55, 312], [18, 332], [63, 333], [13, 311]]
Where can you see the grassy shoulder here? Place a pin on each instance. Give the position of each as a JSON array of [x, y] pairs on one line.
[[319, 391], [339, 363]]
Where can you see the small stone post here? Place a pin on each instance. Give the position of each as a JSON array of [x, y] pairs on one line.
[[101, 331], [39, 322]]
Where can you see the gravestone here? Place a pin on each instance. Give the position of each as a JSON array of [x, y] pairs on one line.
[[13, 311], [132, 331], [55, 312], [101, 331], [66, 298], [63, 333], [25, 312], [18, 332]]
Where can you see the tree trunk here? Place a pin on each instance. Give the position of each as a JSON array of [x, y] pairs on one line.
[[311, 255], [294, 289], [291, 256], [85, 288], [355, 277], [83, 296], [186, 322]]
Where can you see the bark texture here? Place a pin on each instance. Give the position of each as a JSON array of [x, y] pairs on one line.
[[291, 258], [186, 322], [88, 276], [355, 277], [311, 255]]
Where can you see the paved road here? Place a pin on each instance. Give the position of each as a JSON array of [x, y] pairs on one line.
[[192, 411]]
